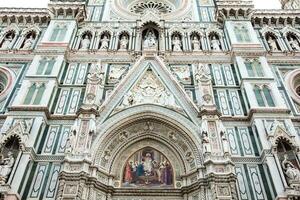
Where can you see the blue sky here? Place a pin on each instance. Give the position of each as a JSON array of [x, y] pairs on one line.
[[260, 4]]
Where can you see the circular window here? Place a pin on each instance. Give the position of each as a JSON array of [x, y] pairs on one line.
[[134, 9], [6, 78], [292, 80]]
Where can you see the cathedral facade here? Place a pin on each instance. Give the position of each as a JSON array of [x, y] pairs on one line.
[[148, 100]]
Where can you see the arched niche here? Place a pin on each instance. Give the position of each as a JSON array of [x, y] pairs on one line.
[[115, 146], [150, 36]]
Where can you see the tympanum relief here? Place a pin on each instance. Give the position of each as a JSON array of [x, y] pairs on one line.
[[149, 90]]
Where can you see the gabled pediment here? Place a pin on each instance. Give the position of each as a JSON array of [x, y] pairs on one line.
[[149, 81]]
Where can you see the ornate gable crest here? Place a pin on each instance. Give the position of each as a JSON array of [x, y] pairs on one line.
[[20, 129], [149, 89]]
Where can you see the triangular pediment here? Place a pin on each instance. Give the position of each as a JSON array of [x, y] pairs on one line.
[[149, 82], [149, 89]]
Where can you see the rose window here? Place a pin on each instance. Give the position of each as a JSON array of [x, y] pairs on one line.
[[142, 7]]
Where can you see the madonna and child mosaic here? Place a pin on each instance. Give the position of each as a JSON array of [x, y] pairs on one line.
[[147, 167]]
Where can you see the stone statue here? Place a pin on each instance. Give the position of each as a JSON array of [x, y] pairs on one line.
[[224, 142], [7, 41], [85, 43], [176, 44], [272, 44], [71, 141], [294, 44], [292, 173], [206, 142], [150, 40], [215, 44], [196, 44], [6, 167], [28, 43], [123, 42], [104, 42]]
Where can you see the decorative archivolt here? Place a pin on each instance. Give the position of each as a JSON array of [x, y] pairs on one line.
[[196, 31], [214, 31], [12, 28], [104, 30], [35, 29], [290, 30], [20, 129], [124, 31], [278, 133], [147, 132], [88, 29], [176, 30], [268, 30]]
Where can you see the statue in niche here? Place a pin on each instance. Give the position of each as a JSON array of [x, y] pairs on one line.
[[292, 173], [6, 166], [123, 42], [272, 44], [215, 44], [85, 43], [150, 40], [224, 142], [176, 44], [7, 41], [206, 142], [71, 141], [28, 43], [294, 44], [196, 43], [104, 42]]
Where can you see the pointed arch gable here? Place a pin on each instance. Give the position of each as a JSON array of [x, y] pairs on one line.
[[111, 130], [165, 77]]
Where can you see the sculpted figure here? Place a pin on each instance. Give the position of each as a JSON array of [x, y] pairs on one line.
[[196, 44], [272, 44], [206, 142], [291, 172], [176, 44], [28, 43], [104, 42], [225, 142], [215, 44], [7, 42], [6, 167], [150, 40], [123, 42], [294, 44], [85, 43], [71, 141]]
